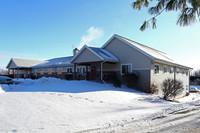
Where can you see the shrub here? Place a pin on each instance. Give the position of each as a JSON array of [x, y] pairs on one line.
[[130, 79], [171, 88], [152, 88], [68, 77], [187, 94], [117, 83]]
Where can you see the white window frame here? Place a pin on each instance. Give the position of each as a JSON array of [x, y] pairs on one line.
[[158, 69], [69, 70], [183, 71], [127, 64], [177, 70], [171, 70], [187, 72], [164, 69]]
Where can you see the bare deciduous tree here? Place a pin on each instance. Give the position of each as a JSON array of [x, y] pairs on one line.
[[3, 72]]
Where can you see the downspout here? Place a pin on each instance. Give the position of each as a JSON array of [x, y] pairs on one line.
[[174, 73]]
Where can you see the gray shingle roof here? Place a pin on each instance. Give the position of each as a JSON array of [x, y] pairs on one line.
[[155, 54], [107, 56], [24, 63]]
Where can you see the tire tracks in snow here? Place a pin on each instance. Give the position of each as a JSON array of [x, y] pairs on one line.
[[156, 124]]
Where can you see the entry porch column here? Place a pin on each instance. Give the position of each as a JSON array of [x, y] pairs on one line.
[[75, 71]]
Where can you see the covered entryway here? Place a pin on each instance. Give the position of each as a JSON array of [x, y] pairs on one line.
[[93, 59]]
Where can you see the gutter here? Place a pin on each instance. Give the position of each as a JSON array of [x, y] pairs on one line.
[[171, 63]]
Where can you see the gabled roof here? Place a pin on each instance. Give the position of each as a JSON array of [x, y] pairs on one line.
[[148, 51], [107, 56], [55, 62], [103, 54], [23, 63]]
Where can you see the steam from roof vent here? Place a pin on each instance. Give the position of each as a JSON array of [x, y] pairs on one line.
[[75, 51]]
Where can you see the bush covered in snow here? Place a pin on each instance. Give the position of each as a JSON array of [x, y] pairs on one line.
[[171, 88]]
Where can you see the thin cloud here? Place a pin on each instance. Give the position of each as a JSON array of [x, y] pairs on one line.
[[92, 34]]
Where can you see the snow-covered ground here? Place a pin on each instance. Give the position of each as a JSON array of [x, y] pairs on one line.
[[54, 105]]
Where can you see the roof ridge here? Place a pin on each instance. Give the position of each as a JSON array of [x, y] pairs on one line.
[[26, 59], [60, 57], [141, 44]]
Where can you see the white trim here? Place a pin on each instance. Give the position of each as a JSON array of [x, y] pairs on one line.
[[142, 69], [158, 69], [111, 69], [116, 36], [85, 46], [173, 64], [170, 69], [125, 64], [95, 53], [11, 60], [177, 70]]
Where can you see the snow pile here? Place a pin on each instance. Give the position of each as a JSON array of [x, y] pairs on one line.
[[54, 105]]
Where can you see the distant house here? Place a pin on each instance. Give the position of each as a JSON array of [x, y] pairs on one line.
[[116, 57], [21, 67]]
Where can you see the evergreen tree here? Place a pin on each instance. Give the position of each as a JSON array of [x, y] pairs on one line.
[[189, 11]]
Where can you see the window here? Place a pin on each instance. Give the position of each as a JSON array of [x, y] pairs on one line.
[[171, 70], [50, 71], [165, 69], [78, 70], [82, 70], [177, 70], [69, 70], [156, 69], [59, 70], [183, 71], [126, 68], [41, 72], [186, 72]]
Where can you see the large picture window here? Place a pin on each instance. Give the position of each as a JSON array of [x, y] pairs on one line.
[[126, 68]]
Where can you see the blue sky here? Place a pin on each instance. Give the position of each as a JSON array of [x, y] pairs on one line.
[[43, 29]]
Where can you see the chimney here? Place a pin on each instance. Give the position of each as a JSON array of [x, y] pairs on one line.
[[75, 51]]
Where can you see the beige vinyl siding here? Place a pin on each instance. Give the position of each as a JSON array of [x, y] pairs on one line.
[[161, 76], [86, 56], [184, 78], [12, 65], [127, 54]]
